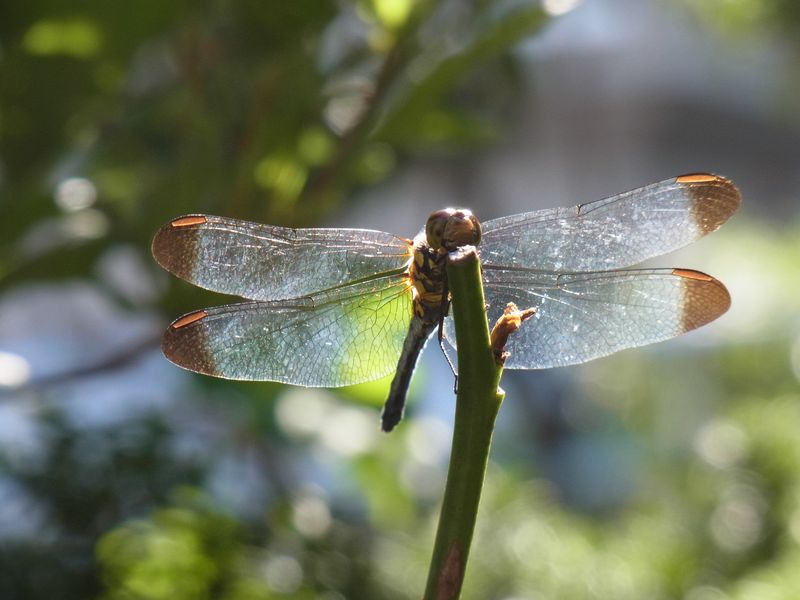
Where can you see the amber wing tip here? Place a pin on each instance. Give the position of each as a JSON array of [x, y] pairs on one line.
[[715, 198], [174, 244], [185, 344], [706, 298]]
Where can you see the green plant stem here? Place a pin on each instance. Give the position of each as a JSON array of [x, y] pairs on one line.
[[477, 402]]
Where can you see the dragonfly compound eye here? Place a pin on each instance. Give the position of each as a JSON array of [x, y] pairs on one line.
[[450, 228]]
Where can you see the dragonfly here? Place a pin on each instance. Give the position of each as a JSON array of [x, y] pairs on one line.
[[336, 307]]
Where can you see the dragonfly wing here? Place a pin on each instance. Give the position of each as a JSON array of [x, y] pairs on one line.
[[613, 233], [330, 339], [582, 316], [262, 262]]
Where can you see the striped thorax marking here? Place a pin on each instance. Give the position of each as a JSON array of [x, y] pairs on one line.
[[428, 278]]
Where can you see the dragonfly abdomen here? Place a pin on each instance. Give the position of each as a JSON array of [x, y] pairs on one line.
[[419, 330]]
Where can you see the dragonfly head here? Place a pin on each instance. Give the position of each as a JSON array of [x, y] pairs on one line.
[[449, 228]]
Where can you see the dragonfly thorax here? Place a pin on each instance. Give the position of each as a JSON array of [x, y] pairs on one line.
[[428, 280], [445, 231]]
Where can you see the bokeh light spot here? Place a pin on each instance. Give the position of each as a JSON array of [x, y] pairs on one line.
[[392, 13], [377, 162], [315, 146], [303, 411], [79, 38], [75, 193], [737, 523], [722, 444], [283, 175], [284, 574], [14, 370], [350, 431], [559, 7], [311, 516], [428, 440]]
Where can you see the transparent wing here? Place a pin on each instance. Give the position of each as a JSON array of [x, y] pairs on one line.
[[341, 337], [262, 262], [582, 316], [613, 233]]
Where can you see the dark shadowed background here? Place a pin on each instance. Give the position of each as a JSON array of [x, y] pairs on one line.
[[670, 472]]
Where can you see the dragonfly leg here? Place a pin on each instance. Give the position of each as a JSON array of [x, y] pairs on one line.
[[449, 362], [447, 358], [440, 335]]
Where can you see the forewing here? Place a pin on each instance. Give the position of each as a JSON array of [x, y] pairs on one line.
[[582, 316], [613, 233], [262, 262], [331, 339]]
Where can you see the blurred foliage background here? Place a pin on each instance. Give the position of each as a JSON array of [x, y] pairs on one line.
[[669, 472]]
